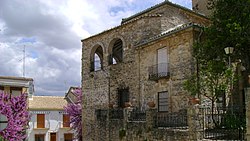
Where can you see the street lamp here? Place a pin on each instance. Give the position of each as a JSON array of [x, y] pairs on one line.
[[229, 51]]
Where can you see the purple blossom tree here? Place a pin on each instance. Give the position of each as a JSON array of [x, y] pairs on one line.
[[16, 111], [75, 112]]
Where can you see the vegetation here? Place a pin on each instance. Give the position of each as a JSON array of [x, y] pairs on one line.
[[16, 111], [75, 112], [227, 29]]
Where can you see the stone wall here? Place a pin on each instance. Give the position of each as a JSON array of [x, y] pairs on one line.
[[100, 87]]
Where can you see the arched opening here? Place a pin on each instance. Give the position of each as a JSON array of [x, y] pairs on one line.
[[97, 59], [116, 55]]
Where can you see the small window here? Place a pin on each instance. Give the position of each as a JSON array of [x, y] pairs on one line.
[[66, 120], [163, 101], [123, 96], [68, 137], [1, 88], [40, 120], [15, 91], [39, 137]]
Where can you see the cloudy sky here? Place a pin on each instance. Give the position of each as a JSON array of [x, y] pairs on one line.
[[51, 31]]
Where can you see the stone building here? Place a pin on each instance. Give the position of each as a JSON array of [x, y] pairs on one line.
[[144, 59]]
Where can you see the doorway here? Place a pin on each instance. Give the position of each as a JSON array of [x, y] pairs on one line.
[[52, 136]]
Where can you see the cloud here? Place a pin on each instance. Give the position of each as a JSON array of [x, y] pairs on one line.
[[51, 31]]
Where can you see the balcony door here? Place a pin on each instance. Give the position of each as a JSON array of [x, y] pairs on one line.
[[162, 61]]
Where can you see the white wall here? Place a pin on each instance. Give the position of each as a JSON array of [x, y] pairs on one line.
[[53, 123]]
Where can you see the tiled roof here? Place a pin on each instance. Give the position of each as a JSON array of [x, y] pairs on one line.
[[16, 78], [138, 16], [47, 103], [159, 5], [168, 32]]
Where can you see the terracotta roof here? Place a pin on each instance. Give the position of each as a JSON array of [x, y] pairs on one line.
[[47, 103], [159, 5], [16, 78], [167, 33]]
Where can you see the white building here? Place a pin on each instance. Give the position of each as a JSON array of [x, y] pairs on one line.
[[48, 121]]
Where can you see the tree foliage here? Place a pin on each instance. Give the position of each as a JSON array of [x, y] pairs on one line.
[[230, 27], [15, 109], [75, 112]]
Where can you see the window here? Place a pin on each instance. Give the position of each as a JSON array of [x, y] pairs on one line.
[[162, 61], [68, 137], [1, 88], [66, 120], [96, 59], [163, 101], [123, 96], [117, 52], [40, 120], [15, 91], [39, 137]]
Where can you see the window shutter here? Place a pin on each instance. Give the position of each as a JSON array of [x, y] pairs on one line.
[[40, 121], [162, 58], [66, 120]]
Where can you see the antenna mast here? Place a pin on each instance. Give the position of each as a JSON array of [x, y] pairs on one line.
[[24, 61]]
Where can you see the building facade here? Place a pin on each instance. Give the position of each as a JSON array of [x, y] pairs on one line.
[[145, 59], [14, 86], [48, 121]]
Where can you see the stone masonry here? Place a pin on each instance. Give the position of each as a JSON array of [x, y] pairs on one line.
[[164, 25]]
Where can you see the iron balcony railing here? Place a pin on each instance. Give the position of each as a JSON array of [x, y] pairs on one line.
[[159, 71], [174, 120], [137, 115]]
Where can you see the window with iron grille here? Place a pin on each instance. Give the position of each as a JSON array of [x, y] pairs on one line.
[[163, 101], [123, 96]]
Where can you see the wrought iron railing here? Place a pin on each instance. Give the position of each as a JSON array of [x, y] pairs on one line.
[[175, 120], [159, 71], [228, 123], [116, 114], [137, 115]]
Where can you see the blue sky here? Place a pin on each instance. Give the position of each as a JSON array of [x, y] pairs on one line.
[[51, 31]]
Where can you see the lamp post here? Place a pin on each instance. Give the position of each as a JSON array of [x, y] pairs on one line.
[[229, 51]]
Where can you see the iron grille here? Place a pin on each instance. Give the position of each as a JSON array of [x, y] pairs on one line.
[[158, 71]]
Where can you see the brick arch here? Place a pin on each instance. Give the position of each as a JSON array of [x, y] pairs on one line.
[[116, 50], [96, 57]]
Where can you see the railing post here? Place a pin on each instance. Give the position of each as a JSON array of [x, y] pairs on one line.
[[150, 122], [195, 122], [247, 98]]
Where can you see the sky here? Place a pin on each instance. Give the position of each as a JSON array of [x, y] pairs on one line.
[[50, 32]]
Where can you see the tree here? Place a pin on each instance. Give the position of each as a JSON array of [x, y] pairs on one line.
[[230, 26], [15, 109], [75, 112]]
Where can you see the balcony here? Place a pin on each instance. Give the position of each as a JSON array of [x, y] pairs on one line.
[[158, 71]]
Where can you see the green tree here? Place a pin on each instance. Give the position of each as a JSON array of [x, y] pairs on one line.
[[230, 27]]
